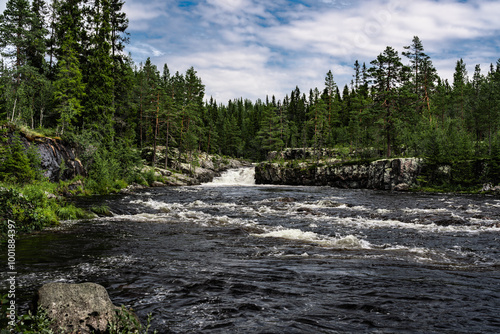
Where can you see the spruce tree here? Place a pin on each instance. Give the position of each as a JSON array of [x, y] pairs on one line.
[[194, 91], [69, 88], [269, 134], [37, 47], [99, 104], [118, 25], [15, 36], [460, 81]]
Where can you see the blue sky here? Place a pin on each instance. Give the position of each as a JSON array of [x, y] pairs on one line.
[[254, 48]]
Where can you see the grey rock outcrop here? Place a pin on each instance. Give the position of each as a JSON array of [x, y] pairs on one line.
[[59, 161], [77, 308], [386, 174]]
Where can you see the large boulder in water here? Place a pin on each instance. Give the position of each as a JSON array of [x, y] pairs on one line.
[[77, 308]]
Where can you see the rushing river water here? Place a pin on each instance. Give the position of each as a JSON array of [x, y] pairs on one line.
[[232, 257]]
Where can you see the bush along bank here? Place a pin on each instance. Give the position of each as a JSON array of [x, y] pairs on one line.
[[480, 175]]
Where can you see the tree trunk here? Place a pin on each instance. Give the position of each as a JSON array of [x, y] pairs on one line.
[[166, 145], [156, 128]]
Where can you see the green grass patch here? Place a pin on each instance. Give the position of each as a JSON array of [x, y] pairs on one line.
[[101, 210]]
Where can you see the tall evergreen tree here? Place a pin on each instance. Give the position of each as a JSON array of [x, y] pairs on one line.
[[460, 81], [68, 24], [37, 48], [386, 73], [99, 104], [15, 33], [423, 75], [194, 91], [118, 26], [69, 88], [270, 133]]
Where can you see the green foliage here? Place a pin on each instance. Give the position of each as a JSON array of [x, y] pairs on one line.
[[30, 210], [127, 323], [102, 210], [77, 78], [448, 143], [70, 212], [150, 176], [18, 165], [38, 323], [69, 87], [111, 168]]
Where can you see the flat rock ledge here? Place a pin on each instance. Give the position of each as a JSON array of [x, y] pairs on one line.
[[385, 174], [77, 308]]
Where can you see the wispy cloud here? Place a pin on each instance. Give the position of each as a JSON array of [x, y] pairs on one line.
[[251, 48]]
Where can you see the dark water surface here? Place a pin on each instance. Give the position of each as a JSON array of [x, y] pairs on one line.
[[221, 258]]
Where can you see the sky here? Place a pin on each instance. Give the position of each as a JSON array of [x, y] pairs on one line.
[[257, 48]]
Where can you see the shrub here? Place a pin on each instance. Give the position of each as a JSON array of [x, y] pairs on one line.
[[70, 212], [29, 212], [15, 165]]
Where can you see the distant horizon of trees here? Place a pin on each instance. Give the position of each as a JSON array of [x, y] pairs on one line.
[[64, 68]]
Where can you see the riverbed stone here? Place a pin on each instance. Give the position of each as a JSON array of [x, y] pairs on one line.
[[157, 184], [77, 308]]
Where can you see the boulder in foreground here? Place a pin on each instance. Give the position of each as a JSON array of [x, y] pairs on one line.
[[77, 308]]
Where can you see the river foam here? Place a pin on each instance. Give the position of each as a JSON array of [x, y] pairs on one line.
[[349, 241]]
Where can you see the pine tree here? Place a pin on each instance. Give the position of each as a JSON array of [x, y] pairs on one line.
[[68, 24], [125, 101], [386, 73], [18, 39], [15, 164], [423, 76], [318, 119], [69, 87]]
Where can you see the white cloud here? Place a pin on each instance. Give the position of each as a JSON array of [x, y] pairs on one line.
[[144, 50], [142, 11], [254, 48]]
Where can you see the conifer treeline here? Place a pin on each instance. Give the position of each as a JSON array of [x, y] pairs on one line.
[[64, 68]]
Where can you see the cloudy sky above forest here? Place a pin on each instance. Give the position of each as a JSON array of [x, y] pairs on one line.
[[254, 48]]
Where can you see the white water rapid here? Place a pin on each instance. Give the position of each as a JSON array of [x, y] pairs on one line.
[[235, 177]]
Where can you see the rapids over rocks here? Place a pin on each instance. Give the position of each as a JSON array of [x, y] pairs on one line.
[[233, 257]]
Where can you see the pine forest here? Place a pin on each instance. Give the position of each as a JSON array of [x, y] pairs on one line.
[[64, 71]]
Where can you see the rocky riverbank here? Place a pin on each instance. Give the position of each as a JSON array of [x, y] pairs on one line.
[[385, 174], [59, 162], [190, 170]]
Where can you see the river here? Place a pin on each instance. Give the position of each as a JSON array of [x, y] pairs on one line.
[[233, 257]]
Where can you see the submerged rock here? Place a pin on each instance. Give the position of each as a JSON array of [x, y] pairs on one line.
[[77, 308]]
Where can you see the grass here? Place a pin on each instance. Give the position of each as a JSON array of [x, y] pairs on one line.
[[102, 210]]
